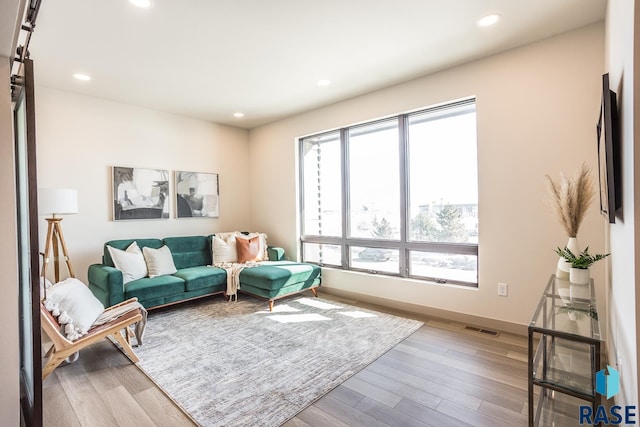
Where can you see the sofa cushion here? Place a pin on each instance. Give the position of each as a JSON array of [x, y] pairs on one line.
[[159, 261], [201, 277], [230, 238], [248, 248], [131, 262], [124, 244], [191, 251], [278, 274], [263, 254], [148, 288], [223, 249]]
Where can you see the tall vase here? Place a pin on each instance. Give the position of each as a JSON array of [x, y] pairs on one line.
[[563, 267]]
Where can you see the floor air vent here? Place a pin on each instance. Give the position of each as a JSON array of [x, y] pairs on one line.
[[484, 331]]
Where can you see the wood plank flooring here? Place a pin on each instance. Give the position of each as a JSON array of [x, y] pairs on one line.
[[442, 375]]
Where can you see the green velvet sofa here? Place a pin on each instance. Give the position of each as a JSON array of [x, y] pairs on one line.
[[195, 277]]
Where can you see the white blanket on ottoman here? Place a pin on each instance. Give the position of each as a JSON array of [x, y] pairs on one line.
[[233, 270]]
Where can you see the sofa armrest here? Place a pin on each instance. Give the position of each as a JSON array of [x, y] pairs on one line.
[[275, 253], [106, 284]]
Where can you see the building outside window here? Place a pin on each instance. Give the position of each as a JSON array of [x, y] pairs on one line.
[[397, 196]]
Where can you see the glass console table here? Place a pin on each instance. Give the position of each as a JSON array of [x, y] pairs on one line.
[[564, 348]]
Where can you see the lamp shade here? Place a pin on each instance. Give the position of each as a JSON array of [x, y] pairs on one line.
[[57, 201]]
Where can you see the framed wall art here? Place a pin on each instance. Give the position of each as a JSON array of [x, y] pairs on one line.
[[140, 193], [197, 195]]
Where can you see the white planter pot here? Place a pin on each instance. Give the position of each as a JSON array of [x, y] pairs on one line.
[[563, 267], [577, 292], [579, 276]]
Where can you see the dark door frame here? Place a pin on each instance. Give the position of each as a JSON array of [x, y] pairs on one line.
[[29, 287]]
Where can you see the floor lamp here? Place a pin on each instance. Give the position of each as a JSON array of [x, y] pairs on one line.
[[56, 201]]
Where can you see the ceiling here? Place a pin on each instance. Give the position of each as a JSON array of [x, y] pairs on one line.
[[209, 59]]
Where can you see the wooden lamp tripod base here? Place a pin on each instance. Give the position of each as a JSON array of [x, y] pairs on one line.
[[54, 240]]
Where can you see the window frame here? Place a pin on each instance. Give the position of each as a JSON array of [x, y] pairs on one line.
[[404, 245]]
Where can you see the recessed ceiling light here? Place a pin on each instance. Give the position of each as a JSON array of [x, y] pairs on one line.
[[324, 82], [488, 20], [83, 77], [141, 3], [238, 115]]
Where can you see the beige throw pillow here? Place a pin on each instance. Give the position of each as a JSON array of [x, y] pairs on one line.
[[130, 262], [159, 261]]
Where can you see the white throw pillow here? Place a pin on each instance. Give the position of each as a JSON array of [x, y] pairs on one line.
[[223, 250], [130, 262], [74, 304], [159, 261]]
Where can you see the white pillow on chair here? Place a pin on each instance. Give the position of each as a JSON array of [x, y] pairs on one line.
[[130, 262], [74, 298]]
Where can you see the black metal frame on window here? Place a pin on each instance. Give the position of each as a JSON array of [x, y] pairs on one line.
[[404, 245]]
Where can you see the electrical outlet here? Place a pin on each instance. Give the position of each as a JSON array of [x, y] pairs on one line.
[[502, 289], [618, 360]]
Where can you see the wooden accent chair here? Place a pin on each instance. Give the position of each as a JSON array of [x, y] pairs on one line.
[[63, 348]]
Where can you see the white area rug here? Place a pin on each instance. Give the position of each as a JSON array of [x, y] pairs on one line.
[[237, 364]]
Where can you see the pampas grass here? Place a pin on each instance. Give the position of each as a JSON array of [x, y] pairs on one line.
[[570, 198]]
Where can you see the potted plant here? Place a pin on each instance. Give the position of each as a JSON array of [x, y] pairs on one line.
[[579, 272], [570, 199]]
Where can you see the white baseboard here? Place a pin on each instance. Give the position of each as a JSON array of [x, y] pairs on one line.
[[421, 310]]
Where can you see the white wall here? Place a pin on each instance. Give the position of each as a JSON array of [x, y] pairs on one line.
[[536, 109], [623, 270], [9, 356], [81, 138]]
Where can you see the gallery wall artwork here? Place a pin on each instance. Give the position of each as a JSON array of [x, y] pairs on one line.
[[197, 195], [140, 193]]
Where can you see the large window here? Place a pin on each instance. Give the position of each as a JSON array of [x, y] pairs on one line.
[[397, 196]]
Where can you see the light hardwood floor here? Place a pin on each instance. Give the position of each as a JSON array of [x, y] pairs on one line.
[[442, 375]]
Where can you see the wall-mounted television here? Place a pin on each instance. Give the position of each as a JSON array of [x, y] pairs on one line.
[[609, 153]]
